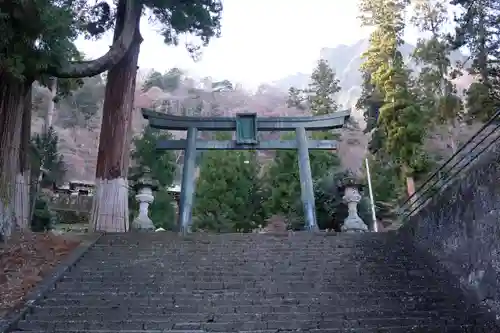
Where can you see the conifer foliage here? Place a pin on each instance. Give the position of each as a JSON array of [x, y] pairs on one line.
[[228, 193], [389, 104]]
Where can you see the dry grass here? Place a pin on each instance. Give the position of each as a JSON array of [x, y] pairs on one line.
[[24, 260]]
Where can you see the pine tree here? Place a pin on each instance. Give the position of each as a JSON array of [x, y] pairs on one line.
[[47, 168], [283, 180], [478, 30], [322, 89], [400, 127], [168, 82], [369, 101], [221, 86], [48, 158], [228, 193], [295, 98], [438, 93]]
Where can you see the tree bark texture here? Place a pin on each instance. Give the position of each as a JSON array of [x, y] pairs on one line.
[[12, 99], [110, 207], [22, 198]]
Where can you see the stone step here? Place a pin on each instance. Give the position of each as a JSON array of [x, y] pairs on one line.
[[275, 287], [143, 276], [248, 242], [247, 314], [423, 302], [311, 270], [255, 293], [256, 248], [248, 275], [259, 247], [245, 268], [256, 252], [316, 260], [384, 309], [400, 329], [181, 261], [246, 298], [138, 237], [226, 318], [265, 242], [339, 289], [316, 256], [213, 326], [202, 259], [447, 328], [345, 288]]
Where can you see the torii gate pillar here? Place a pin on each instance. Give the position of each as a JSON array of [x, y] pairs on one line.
[[306, 185], [188, 182]]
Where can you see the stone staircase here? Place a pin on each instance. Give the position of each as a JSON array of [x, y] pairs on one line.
[[161, 282]]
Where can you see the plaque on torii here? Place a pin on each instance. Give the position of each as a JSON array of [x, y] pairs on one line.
[[247, 127]]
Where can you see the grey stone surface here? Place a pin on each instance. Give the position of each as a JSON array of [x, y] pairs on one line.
[[161, 282], [460, 229]]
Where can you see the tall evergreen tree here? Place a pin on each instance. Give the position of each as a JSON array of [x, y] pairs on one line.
[[399, 132], [49, 160], [438, 94], [295, 98], [168, 82], [228, 196], [322, 89], [283, 180], [370, 101], [478, 30]]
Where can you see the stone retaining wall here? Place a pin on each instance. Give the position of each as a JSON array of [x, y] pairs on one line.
[[460, 228]]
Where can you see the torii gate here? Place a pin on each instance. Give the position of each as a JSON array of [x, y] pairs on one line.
[[247, 126]]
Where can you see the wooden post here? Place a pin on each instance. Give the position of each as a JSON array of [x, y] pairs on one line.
[[306, 184], [188, 180]]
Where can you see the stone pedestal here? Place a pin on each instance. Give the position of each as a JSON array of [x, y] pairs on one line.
[[142, 222], [353, 223]]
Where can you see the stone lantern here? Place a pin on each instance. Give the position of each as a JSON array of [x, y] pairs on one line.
[[144, 187], [352, 196]]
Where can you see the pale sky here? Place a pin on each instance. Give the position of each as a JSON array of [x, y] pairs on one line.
[[262, 40]]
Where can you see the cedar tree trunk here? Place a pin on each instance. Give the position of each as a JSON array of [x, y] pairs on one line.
[[22, 198], [12, 97], [110, 206]]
